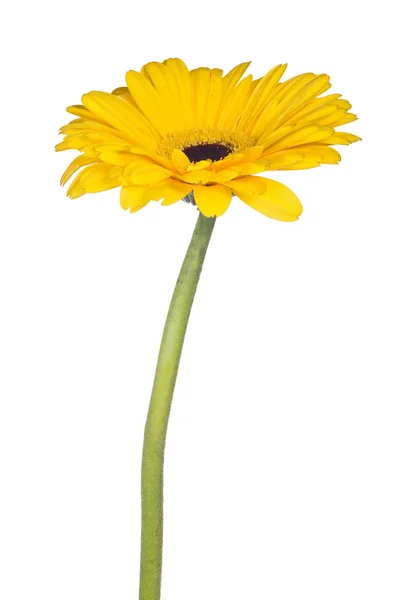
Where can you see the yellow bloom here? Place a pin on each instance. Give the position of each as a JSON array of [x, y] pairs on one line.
[[173, 133]]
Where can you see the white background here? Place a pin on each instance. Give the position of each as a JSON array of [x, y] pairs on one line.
[[291, 448]]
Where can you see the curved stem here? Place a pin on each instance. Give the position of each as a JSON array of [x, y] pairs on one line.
[[159, 410]]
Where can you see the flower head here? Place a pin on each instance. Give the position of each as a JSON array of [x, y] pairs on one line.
[[172, 133]]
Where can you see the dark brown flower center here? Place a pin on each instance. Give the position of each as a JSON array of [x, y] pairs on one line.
[[206, 151]]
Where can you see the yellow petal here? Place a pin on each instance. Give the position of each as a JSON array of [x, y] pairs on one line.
[[197, 177], [228, 85], [299, 136], [325, 154], [262, 124], [132, 197], [170, 189], [122, 116], [148, 100], [301, 157], [306, 162], [124, 93], [226, 175], [156, 158], [140, 161], [213, 200], [342, 138], [174, 191], [80, 111], [250, 168], [148, 175], [250, 186], [340, 117], [168, 89], [77, 163], [261, 95], [120, 159], [282, 160], [199, 165], [235, 104], [181, 79], [277, 202], [311, 116], [300, 94], [286, 99], [214, 97], [73, 142], [200, 86], [87, 128], [154, 191], [111, 147], [62, 146], [180, 160], [95, 178], [291, 86]]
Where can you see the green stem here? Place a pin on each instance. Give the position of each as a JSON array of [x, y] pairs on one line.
[[159, 410]]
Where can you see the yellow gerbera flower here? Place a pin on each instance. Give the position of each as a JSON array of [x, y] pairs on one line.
[[173, 134]]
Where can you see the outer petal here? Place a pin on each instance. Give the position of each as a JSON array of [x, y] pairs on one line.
[[235, 104], [229, 82], [171, 190], [148, 175], [201, 177], [122, 116], [200, 86], [181, 75], [213, 200], [124, 93], [261, 95], [77, 163], [277, 202], [225, 175], [80, 111], [120, 159], [95, 178], [250, 186], [132, 197], [175, 191]]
